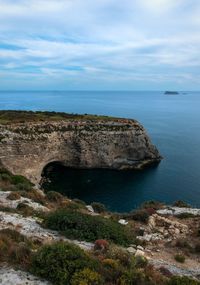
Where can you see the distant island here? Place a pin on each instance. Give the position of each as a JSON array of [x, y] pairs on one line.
[[171, 93]]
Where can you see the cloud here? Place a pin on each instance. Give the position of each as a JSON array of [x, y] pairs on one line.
[[101, 41]]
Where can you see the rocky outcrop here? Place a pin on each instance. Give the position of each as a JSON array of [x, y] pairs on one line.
[[27, 147]]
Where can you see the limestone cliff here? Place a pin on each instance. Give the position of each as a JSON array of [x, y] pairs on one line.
[[27, 146]]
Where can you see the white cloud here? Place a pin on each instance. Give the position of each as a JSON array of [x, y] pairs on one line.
[[102, 39]]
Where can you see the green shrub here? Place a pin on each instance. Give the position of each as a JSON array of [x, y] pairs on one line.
[[14, 196], [181, 204], [178, 280], [81, 226], [140, 215], [98, 207], [119, 254], [19, 179], [54, 196], [179, 258], [185, 216], [152, 204], [86, 277], [60, 261], [134, 277], [25, 209]]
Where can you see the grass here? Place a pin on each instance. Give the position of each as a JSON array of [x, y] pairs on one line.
[[10, 116]]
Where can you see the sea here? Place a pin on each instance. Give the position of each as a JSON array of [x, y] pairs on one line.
[[172, 122]]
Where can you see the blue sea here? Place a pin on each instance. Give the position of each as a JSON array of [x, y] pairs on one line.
[[172, 122]]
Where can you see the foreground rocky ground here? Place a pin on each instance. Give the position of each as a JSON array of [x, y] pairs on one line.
[[167, 237]]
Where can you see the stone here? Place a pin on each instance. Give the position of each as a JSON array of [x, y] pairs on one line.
[[123, 222], [139, 253], [175, 211], [90, 209], [26, 148], [131, 250], [140, 247]]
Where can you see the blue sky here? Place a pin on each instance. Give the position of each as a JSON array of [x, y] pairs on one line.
[[100, 44]]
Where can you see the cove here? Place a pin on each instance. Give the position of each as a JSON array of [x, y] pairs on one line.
[[120, 191]]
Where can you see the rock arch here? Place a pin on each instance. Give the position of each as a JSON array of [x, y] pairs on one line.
[[26, 148]]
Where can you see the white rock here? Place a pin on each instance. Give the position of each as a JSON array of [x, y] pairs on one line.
[[131, 250], [177, 211], [139, 253], [4, 201], [140, 247], [90, 209], [122, 222], [9, 276]]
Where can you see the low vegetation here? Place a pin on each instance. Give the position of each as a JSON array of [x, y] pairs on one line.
[[10, 182], [10, 116], [179, 258], [81, 226]]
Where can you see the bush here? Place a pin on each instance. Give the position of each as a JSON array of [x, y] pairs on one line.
[[164, 271], [18, 179], [98, 207], [14, 247], [185, 216], [86, 277], [181, 204], [179, 258], [101, 244], [119, 254], [54, 196], [152, 204], [139, 215], [60, 261], [25, 209], [81, 226], [14, 196], [134, 277], [178, 280], [112, 270]]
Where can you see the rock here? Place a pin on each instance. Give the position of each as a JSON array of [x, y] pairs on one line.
[[131, 250], [175, 211], [9, 276], [151, 222], [26, 148], [139, 253], [122, 222], [5, 202], [177, 231], [90, 209], [140, 247]]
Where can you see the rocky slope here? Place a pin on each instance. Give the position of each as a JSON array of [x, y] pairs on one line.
[[28, 145]]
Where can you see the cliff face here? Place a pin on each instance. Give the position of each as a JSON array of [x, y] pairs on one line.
[[26, 148]]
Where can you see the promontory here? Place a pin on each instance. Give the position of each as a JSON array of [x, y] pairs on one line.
[[31, 140]]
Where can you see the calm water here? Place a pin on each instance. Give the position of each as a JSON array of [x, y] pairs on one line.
[[173, 122]]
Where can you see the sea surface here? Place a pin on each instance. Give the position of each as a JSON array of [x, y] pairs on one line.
[[173, 123]]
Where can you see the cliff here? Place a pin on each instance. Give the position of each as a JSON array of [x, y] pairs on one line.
[[29, 141]]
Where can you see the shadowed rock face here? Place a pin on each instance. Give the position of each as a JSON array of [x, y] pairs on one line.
[[26, 148]]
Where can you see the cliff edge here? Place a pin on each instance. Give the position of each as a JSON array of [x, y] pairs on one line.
[[31, 140]]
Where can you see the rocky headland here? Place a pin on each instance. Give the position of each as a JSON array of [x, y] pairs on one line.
[[29, 141]]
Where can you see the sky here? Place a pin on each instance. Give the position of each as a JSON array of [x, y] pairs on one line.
[[99, 44]]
